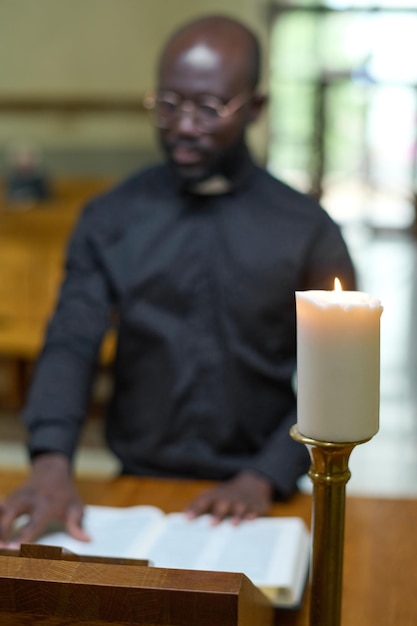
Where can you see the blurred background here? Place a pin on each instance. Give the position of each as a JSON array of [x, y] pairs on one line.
[[341, 125]]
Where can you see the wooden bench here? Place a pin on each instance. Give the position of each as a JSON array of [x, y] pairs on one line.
[[33, 239]]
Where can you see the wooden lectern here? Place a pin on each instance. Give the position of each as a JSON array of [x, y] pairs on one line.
[[48, 586]]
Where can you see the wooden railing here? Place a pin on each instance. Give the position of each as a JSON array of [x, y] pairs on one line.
[[73, 105]]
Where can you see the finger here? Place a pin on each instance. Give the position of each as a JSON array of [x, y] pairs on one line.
[[221, 509], [243, 517], [74, 524], [32, 529], [199, 506], [239, 511], [9, 545], [9, 516]]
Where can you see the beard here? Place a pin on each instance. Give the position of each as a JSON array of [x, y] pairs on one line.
[[194, 162]]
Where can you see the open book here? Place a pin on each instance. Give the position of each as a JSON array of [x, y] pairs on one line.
[[273, 552]]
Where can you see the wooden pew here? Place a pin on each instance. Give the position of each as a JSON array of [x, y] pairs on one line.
[[33, 240]]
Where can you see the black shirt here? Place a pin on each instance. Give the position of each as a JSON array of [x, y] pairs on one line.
[[203, 291]]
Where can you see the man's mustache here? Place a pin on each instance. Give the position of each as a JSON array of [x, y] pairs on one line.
[[186, 144]]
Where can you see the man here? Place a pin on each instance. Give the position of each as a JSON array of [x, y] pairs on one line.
[[198, 259]]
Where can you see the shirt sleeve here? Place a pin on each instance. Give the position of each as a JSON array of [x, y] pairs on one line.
[[60, 392], [282, 459], [328, 258]]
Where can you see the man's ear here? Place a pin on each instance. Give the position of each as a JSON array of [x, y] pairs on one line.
[[258, 103]]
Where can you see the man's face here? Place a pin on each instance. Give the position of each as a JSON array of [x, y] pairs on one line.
[[194, 74]]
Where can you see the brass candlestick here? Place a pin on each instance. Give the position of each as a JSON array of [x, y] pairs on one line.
[[329, 473]]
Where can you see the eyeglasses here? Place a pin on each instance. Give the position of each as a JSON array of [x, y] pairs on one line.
[[207, 111]]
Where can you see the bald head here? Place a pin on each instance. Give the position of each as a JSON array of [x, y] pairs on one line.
[[199, 40]]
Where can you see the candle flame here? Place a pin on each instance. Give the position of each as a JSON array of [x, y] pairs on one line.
[[337, 285]]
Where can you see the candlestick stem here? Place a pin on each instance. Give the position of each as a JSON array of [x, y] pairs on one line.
[[329, 473]]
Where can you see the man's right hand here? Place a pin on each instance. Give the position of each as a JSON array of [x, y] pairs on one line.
[[48, 495]]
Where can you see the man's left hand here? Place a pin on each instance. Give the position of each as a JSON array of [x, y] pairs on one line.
[[246, 496]]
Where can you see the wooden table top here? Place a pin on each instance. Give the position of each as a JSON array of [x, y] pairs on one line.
[[380, 561]]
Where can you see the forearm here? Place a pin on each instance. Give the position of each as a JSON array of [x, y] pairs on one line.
[[57, 401]]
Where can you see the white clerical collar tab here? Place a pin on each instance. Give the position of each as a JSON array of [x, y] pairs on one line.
[[212, 186]]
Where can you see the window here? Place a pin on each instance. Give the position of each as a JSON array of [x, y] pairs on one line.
[[343, 108]]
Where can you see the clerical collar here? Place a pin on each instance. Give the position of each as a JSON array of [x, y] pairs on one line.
[[213, 186], [239, 172]]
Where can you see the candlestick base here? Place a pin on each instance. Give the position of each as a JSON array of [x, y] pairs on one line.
[[329, 473]]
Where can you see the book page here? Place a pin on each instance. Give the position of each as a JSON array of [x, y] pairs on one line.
[[180, 543], [113, 531], [270, 551]]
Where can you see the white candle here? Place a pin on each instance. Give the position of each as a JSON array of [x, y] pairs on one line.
[[338, 365]]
